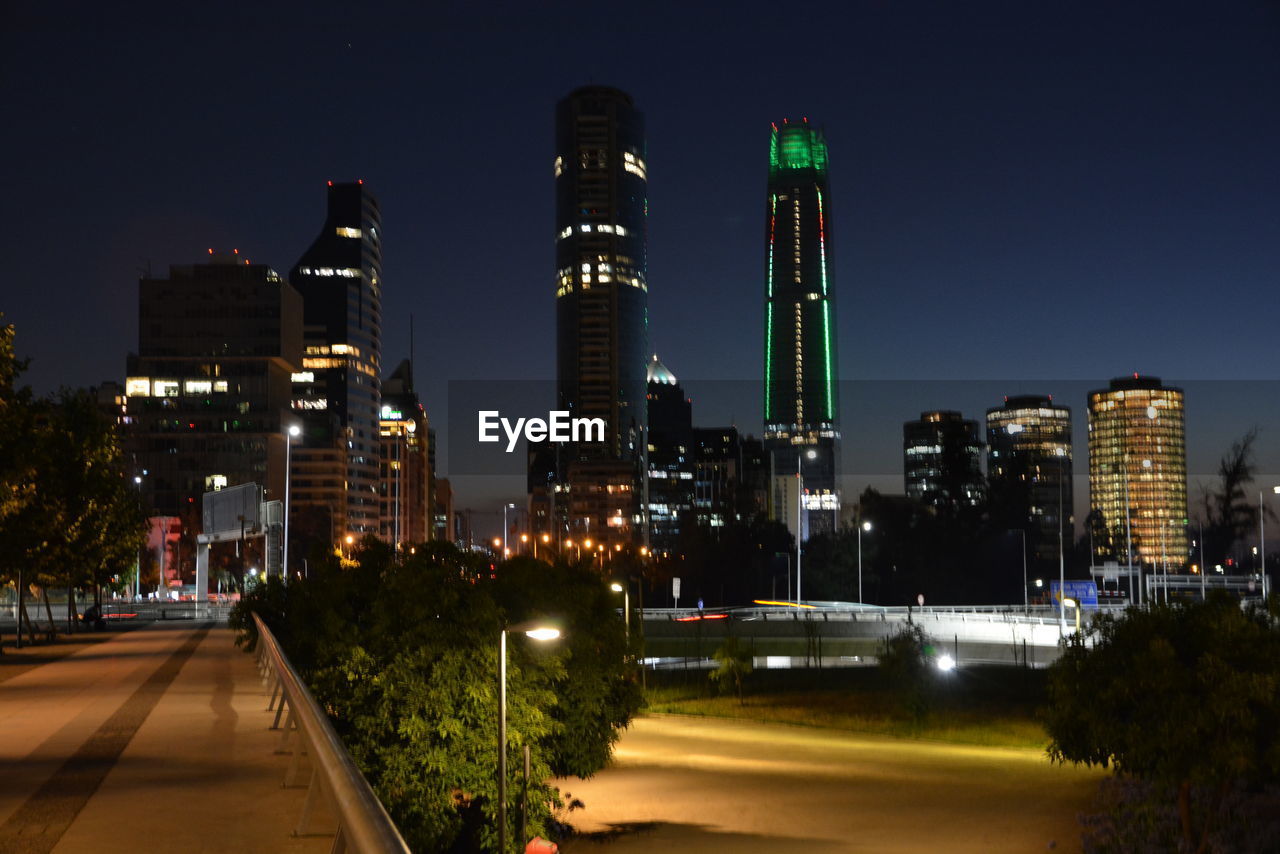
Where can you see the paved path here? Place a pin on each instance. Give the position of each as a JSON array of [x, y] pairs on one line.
[[706, 785], [156, 740]]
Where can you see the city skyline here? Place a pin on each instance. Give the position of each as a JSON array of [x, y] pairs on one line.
[[989, 162]]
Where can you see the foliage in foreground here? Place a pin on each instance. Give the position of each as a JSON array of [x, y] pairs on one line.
[[733, 664], [404, 658], [1184, 698], [68, 515]]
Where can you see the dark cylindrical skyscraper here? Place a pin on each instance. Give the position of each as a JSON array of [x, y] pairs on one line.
[[602, 340], [601, 293]]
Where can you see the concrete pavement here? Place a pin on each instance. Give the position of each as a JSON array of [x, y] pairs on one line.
[[707, 785], [156, 739]]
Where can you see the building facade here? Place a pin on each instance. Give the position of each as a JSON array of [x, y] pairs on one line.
[[601, 319], [208, 392], [801, 406], [404, 489], [337, 392], [942, 460], [1138, 474], [1029, 462]]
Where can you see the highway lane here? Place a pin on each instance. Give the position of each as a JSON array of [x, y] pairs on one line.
[[700, 784]]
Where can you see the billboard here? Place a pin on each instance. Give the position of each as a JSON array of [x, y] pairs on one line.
[[227, 510]]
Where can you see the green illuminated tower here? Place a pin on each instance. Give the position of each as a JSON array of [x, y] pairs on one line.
[[801, 407]]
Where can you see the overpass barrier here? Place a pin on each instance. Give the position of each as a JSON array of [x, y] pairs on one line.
[[363, 823]]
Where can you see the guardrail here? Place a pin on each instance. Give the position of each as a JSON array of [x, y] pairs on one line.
[[1036, 615], [363, 823], [165, 609]]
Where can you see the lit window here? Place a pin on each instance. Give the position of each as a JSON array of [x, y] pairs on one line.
[[220, 386], [303, 377], [343, 231], [559, 166], [165, 388], [137, 387], [197, 387], [214, 482]]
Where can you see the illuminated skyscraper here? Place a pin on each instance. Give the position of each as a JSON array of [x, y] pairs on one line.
[[801, 408], [1138, 473], [601, 308], [337, 393], [942, 460], [1029, 467], [208, 390]]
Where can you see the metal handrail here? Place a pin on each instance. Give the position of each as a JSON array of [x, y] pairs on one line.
[[363, 823]]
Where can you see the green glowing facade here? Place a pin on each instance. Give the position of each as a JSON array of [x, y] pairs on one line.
[[801, 405]]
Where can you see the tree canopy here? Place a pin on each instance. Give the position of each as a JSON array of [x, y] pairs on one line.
[[68, 515], [1184, 695], [404, 658]]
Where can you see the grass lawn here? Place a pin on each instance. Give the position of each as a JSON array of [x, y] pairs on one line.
[[993, 706]]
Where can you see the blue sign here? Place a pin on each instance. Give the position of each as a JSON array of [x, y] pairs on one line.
[[1084, 592]]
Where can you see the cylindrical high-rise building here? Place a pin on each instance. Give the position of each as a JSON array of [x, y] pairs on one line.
[[601, 294], [801, 407], [1029, 464], [602, 319], [1138, 473]]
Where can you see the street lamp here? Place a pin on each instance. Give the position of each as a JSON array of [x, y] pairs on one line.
[[289, 435], [1262, 539], [350, 542], [626, 608], [811, 454], [865, 526], [1068, 602], [538, 632]]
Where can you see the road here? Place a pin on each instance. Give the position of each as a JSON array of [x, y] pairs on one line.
[[705, 785]]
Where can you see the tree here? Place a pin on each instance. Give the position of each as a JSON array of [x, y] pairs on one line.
[[1186, 696], [733, 664], [403, 657], [1230, 513]]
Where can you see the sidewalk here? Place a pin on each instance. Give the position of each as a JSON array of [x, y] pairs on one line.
[[158, 739]]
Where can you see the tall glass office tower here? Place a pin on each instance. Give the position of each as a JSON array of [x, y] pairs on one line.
[[337, 393], [801, 407], [602, 305]]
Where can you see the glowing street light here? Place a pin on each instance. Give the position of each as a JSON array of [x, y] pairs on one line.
[[290, 434], [626, 608], [539, 632], [864, 526], [1068, 602]]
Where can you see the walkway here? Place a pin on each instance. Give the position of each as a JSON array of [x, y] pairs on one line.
[[156, 739]]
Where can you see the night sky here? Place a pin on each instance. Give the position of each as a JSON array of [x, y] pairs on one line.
[[1030, 193]]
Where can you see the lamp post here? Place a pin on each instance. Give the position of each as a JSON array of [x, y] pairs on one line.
[[289, 435], [1068, 602], [862, 526], [811, 454], [1262, 539], [538, 632], [1026, 598], [626, 608]]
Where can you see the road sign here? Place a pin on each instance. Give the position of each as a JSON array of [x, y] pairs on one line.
[[675, 591], [1084, 592]]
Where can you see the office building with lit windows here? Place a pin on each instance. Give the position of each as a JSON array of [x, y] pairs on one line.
[[207, 393], [942, 460], [1029, 470], [1138, 474], [601, 319], [337, 392], [404, 487], [801, 407]]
